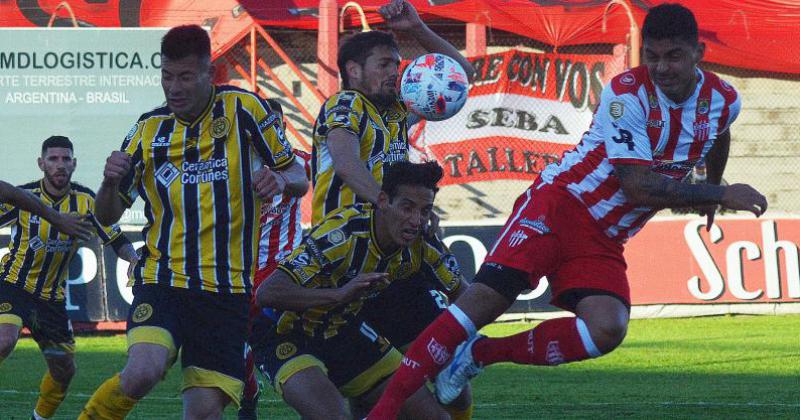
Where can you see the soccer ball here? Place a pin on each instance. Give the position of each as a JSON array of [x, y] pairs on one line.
[[434, 86]]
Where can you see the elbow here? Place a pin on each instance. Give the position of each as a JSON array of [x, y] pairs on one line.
[[103, 217]]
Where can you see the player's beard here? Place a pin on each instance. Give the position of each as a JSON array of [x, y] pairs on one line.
[[59, 182], [383, 100]]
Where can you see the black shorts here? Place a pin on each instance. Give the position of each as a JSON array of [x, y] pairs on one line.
[[404, 309], [208, 328], [48, 321], [355, 360]]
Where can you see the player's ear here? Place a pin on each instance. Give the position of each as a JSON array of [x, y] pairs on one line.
[[700, 51], [353, 70], [40, 162], [383, 200]]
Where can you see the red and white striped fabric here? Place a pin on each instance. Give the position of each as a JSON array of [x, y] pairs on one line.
[[635, 123], [280, 224]]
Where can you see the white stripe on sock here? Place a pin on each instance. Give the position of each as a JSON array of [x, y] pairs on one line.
[[586, 338], [463, 319]]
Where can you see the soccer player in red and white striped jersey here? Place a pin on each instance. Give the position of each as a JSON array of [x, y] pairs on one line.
[[652, 125]]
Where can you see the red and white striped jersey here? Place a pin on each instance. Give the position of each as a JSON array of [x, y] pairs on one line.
[[635, 123], [280, 224]]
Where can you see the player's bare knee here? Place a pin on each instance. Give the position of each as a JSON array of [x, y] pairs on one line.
[[608, 333], [137, 382]]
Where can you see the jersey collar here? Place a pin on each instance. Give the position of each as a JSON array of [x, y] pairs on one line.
[[49, 197], [202, 114]]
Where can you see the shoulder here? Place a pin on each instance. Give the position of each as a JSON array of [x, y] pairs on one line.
[[349, 220], [629, 82], [158, 112], [343, 98], [721, 86], [33, 186], [82, 190]]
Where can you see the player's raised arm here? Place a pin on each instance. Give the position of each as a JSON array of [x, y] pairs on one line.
[[343, 146], [403, 17], [72, 225], [110, 205]]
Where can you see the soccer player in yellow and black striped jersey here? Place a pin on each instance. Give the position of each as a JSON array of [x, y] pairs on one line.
[[202, 164], [33, 273], [321, 344], [360, 130]]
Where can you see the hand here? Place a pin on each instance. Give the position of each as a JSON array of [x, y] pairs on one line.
[[117, 166], [400, 15], [268, 183], [708, 211], [744, 197], [360, 285], [131, 266], [73, 225]]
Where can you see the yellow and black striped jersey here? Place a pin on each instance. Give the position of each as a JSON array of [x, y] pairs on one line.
[[383, 138], [39, 255], [195, 178], [344, 246]]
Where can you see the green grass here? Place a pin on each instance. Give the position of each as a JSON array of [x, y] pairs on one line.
[[740, 367]]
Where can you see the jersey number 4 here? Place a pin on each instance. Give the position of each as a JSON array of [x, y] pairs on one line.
[[626, 137]]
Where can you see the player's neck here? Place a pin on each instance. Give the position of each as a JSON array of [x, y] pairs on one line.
[[382, 235], [52, 191]]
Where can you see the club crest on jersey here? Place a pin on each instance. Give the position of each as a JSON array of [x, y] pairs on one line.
[[701, 130], [627, 79], [616, 110], [5, 307], [285, 350], [438, 352], [702, 107], [220, 127], [336, 237]]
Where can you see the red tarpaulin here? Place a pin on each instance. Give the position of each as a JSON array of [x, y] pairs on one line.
[[749, 34]]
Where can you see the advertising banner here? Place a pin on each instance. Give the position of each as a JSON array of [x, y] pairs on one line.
[[88, 84], [524, 109]]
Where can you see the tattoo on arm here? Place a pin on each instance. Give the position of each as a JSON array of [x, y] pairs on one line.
[[645, 187]]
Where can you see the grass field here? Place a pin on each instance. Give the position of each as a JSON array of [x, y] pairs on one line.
[[718, 367]]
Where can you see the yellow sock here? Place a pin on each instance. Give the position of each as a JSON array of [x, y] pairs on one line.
[[457, 414], [108, 402], [51, 394]]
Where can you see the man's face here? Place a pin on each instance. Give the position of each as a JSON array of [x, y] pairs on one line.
[[58, 164], [377, 78], [187, 85], [671, 64], [408, 212]]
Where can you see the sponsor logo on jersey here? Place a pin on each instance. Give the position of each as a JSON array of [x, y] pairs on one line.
[[142, 313], [517, 238], [537, 225], [167, 173], [36, 243], [438, 352], [616, 110]]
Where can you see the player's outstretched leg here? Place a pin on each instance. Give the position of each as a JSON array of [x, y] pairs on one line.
[[478, 306], [599, 328], [56, 380]]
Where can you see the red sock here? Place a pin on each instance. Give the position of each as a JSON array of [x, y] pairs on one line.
[[250, 380], [427, 355], [552, 342]]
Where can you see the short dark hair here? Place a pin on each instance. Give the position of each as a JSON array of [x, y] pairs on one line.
[[670, 20], [426, 175], [56, 141], [358, 47], [185, 40], [275, 105]]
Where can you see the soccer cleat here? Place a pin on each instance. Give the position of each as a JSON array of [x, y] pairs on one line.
[[454, 377], [249, 408]]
